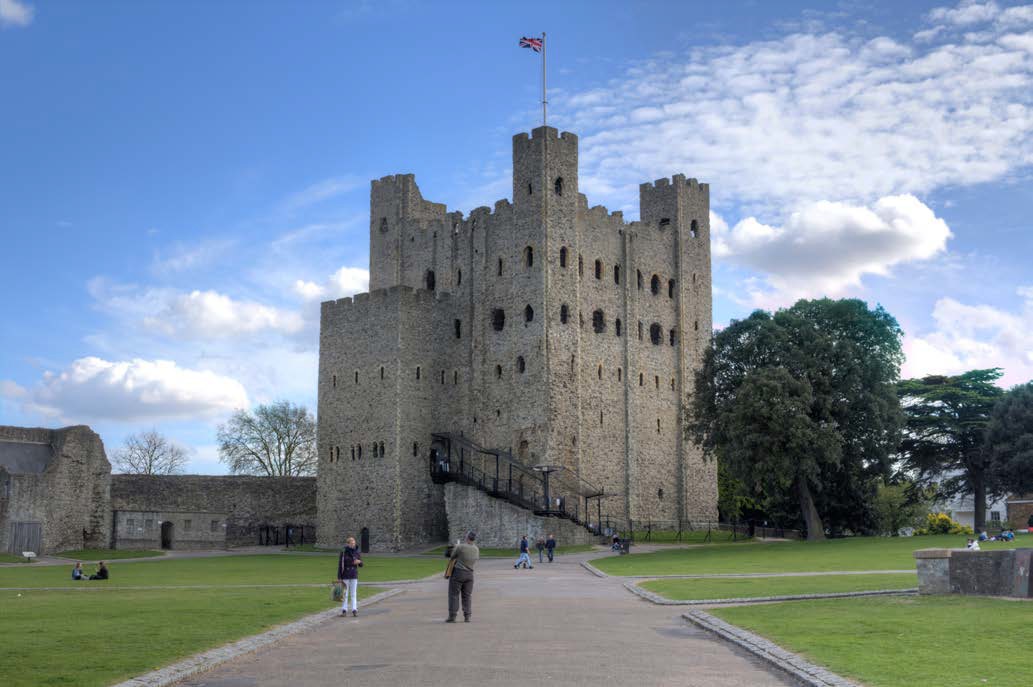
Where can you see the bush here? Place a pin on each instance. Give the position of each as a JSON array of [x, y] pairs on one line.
[[941, 523], [898, 507]]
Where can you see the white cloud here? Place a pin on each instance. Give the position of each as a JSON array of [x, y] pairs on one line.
[[93, 389], [323, 190], [827, 116], [183, 257], [967, 337], [347, 281], [15, 13], [826, 248], [966, 13]]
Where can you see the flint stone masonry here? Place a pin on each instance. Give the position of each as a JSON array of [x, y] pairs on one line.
[[988, 573], [54, 483], [239, 506], [463, 333], [500, 525]]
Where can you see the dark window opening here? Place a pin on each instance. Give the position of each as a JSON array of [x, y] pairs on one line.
[[358, 451], [600, 418], [442, 376], [337, 452], [657, 425], [500, 267], [617, 326], [564, 313], [498, 372], [641, 379], [383, 224], [498, 319], [381, 371], [455, 376], [559, 186], [529, 189], [670, 288], [660, 493], [655, 333], [459, 277], [694, 229], [417, 373], [693, 277], [335, 381], [356, 376], [672, 383], [599, 372], [374, 449], [598, 322], [521, 366], [656, 381], [381, 449], [572, 364], [458, 324], [415, 449], [640, 330], [528, 314], [638, 278], [580, 266], [529, 257], [695, 325], [619, 374], [430, 280], [598, 269], [674, 337], [353, 453], [616, 274], [563, 257], [654, 284], [665, 222]]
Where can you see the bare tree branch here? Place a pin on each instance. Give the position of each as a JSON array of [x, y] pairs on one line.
[[276, 440], [149, 453]]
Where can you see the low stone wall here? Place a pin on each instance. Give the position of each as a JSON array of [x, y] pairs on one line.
[[501, 524], [209, 511], [1004, 572]]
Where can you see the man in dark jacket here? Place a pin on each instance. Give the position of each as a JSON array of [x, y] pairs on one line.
[[550, 547], [348, 564], [525, 558], [460, 584], [102, 572]]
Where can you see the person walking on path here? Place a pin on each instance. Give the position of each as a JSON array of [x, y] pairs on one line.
[[525, 558], [460, 584], [348, 564], [550, 547], [540, 545]]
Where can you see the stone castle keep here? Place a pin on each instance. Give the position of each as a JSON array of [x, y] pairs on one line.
[[546, 329]]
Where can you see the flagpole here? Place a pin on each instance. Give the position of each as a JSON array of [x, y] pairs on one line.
[[544, 100]]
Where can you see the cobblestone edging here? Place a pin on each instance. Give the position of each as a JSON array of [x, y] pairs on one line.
[[663, 601], [592, 569], [805, 671], [207, 660]]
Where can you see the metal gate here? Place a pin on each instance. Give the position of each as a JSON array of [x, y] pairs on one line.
[[25, 536]]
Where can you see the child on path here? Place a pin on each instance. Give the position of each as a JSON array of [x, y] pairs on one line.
[[524, 559], [348, 564]]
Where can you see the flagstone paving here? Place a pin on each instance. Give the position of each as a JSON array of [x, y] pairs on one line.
[[556, 623]]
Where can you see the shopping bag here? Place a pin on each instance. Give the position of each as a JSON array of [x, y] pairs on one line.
[[336, 591]]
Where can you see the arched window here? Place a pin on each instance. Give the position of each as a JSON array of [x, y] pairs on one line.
[[616, 274], [563, 256], [598, 269], [655, 333], [498, 372], [617, 326], [564, 313], [498, 319], [500, 267], [670, 288], [458, 324], [528, 314], [694, 229], [429, 280], [654, 284], [598, 322], [674, 337], [559, 186], [521, 366], [529, 257], [638, 278]]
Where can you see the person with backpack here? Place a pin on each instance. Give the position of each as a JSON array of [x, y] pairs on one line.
[[348, 564]]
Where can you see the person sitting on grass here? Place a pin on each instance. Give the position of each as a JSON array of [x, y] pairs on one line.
[[77, 573], [972, 545], [102, 572]]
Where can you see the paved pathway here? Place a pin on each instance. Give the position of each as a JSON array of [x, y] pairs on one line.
[[557, 624]]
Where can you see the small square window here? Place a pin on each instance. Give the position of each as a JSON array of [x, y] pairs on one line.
[[215, 525], [187, 524]]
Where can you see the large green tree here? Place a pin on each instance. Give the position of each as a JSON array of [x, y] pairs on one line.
[[945, 438], [801, 404], [1010, 441]]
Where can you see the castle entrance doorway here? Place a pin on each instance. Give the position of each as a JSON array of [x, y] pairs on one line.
[[364, 540], [166, 535]]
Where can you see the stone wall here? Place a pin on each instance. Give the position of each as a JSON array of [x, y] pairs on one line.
[[1002, 572], [208, 511], [500, 524], [1020, 510]]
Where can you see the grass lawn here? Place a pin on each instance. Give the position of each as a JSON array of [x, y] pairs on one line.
[[691, 537], [226, 570], [107, 554], [745, 588], [856, 553], [69, 638], [11, 558], [948, 641], [487, 552]]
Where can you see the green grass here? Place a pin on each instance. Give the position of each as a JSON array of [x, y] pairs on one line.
[[856, 553], [947, 641], [12, 558], [70, 638], [487, 552], [227, 570], [745, 588], [690, 537], [107, 554], [310, 548]]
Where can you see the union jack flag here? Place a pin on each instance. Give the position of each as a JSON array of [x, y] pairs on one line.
[[532, 43]]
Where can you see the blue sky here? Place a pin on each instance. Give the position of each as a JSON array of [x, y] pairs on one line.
[[182, 183]]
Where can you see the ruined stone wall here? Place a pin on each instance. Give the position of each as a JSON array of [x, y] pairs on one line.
[[239, 505]]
